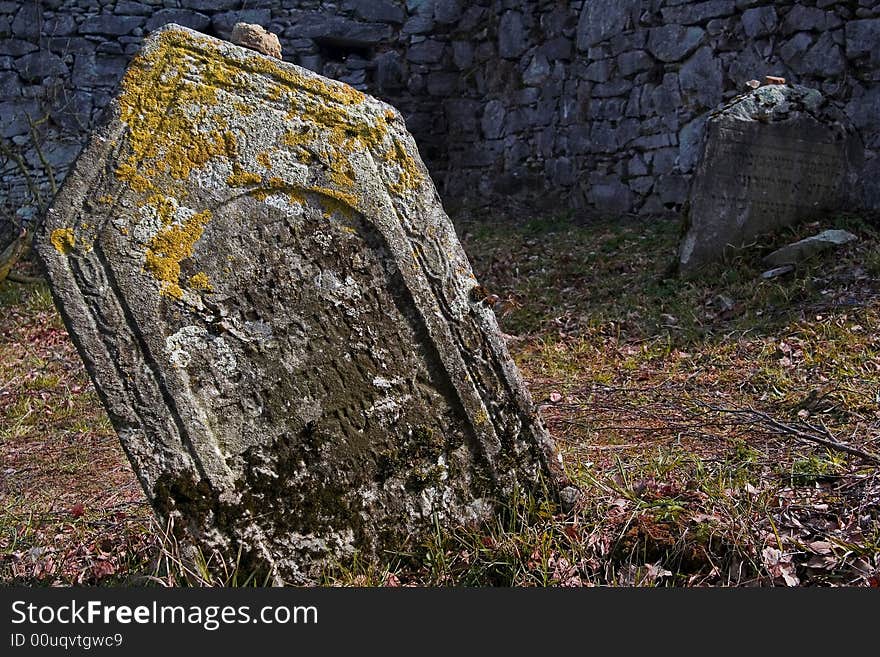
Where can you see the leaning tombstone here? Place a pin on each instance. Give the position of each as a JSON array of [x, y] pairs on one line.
[[774, 156], [279, 318]]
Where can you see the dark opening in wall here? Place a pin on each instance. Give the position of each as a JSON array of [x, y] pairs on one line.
[[332, 50]]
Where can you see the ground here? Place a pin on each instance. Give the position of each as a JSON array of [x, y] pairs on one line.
[[724, 431]]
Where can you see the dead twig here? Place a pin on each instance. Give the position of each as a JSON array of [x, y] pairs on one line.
[[24, 279], [12, 253], [780, 428]]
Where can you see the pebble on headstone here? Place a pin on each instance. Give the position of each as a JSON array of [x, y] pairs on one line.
[[772, 79], [772, 157], [279, 318], [256, 37]]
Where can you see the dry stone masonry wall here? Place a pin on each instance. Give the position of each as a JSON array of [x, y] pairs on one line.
[[597, 105]]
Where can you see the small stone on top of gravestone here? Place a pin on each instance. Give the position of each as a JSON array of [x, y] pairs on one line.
[[772, 157], [772, 79], [256, 37], [279, 318]]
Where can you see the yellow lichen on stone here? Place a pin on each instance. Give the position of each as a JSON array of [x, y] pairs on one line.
[[243, 179], [128, 172], [106, 199], [264, 160], [63, 240], [201, 282], [165, 207], [170, 102], [410, 174], [167, 115], [171, 245], [243, 108], [273, 185]]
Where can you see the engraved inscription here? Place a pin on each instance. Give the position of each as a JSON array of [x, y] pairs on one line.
[[772, 157]]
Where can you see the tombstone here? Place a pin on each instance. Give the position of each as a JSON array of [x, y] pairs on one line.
[[772, 157], [279, 318]]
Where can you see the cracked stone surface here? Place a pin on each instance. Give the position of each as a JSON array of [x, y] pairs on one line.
[[279, 318]]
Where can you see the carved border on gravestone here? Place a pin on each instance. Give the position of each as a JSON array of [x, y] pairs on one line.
[[507, 431]]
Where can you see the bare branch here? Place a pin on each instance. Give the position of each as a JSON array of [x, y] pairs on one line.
[[780, 428]]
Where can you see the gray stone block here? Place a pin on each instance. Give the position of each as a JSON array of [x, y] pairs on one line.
[[512, 35], [389, 71], [692, 13], [37, 66], [223, 22], [673, 43], [27, 22], [337, 30], [633, 62], [447, 12], [59, 26], [537, 72], [429, 51], [379, 11], [612, 197], [16, 47], [10, 85], [759, 21], [801, 18], [702, 79], [210, 5], [823, 59], [494, 116], [14, 115], [862, 38], [191, 19], [602, 19], [792, 254], [110, 24]]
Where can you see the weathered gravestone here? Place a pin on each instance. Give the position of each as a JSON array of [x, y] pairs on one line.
[[279, 317], [772, 157]]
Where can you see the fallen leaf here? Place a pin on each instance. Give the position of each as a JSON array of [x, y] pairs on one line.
[[821, 547], [103, 569]]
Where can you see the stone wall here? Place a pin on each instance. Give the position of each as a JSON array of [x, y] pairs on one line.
[[594, 105]]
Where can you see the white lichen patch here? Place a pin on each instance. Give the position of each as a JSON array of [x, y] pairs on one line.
[[385, 384], [309, 410], [152, 219], [150, 224], [335, 290], [381, 382], [389, 409], [340, 543], [191, 340], [213, 175], [282, 202], [180, 345]]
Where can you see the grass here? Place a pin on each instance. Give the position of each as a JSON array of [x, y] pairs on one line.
[[676, 404]]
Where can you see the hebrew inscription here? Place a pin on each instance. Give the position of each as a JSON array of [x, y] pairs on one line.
[[773, 157]]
